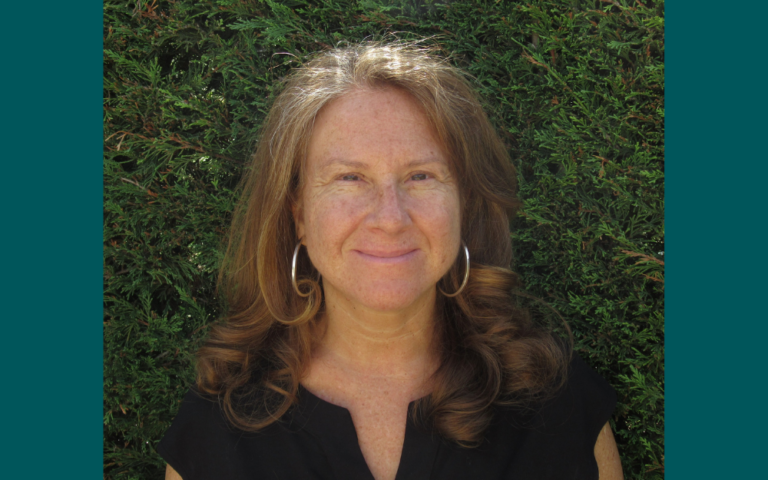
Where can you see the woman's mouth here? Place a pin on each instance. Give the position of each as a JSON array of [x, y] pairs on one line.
[[387, 256]]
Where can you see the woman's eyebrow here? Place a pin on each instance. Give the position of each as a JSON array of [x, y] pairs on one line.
[[419, 162], [333, 162], [426, 161]]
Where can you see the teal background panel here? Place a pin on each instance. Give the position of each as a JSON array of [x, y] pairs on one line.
[[51, 240], [717, 168]]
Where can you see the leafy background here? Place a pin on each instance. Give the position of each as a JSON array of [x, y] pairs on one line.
[[575, 88]]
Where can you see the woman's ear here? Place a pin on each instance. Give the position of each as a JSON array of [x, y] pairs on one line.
[[298, 219]]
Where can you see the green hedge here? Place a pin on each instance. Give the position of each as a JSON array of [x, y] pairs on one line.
[[574, 87]]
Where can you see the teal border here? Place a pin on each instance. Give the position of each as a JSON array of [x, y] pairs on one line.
[[717, 175], [51, 240]]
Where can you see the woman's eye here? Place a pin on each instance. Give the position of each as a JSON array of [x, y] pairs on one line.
[[419, 177], [350, 178]]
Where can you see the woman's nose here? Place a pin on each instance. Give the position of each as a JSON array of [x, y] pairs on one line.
[[389, 213]]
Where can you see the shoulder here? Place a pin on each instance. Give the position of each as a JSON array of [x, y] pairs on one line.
[[197, 414], [588, 392], [582, 406], [556, 438], [201, 444], [199, 423], [569, 423]]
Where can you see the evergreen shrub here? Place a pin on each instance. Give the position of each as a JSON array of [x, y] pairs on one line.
[[574, 87]]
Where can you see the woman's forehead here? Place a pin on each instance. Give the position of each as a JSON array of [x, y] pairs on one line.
[[372, 105], [369, 123]]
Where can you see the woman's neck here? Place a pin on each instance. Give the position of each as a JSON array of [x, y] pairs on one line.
[[390, 344]]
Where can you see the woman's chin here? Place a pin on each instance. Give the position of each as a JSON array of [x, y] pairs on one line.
[[389, 298]]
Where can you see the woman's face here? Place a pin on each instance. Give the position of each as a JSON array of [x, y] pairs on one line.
[[379, 211]]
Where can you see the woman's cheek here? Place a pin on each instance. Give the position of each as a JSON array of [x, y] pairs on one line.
[[440, 212], [334, 216], [442, 225]]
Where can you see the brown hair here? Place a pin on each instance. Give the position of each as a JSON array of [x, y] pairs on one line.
[[491, 350]]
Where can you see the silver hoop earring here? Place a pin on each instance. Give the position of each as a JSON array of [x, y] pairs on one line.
[[293, 272], [466, 275]]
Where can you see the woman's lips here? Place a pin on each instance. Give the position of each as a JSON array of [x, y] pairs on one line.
[[387, 256]]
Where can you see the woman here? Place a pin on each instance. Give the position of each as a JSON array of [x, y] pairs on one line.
[[371, 331]]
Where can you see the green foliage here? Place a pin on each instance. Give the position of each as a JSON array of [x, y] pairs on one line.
[[575, 88]]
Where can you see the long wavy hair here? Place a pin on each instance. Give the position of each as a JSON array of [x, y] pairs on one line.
[[491, 351]]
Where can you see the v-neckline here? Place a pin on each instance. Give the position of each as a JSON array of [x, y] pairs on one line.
[[332, 427]]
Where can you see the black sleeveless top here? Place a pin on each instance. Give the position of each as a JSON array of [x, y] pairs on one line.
[[317, 440]]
